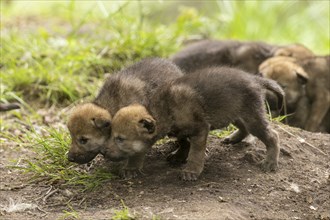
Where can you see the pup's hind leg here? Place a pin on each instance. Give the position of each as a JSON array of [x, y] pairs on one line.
[[261, 129], [180, 155], [238, 135]]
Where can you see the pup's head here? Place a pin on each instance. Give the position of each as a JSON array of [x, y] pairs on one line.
[[288, 74], [89, 127], [298, 51], [133, 130], [316, 65]]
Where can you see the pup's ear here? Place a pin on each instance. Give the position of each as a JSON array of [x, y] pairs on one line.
[[148, 124], [283, 52], [264, 53], [101, 123], [302, 77]]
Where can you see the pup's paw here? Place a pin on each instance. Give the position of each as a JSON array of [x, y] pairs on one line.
[[189, 176], [129, 174], [268, 165]]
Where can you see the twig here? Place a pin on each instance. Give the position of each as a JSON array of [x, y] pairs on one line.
[[41, 210], [208, 184], [82, 201], [68, 202], [301, 140], [50, 189], [40, 197], [286, 152], [49, 194]]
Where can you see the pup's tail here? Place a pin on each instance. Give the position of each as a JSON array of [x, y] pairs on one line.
[[274, 87]]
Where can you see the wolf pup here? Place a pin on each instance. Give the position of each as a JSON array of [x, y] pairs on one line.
[[206, 53], [90, 123], [318, 91], [188, 107], [291, 76], [307, 89], [297, 51]]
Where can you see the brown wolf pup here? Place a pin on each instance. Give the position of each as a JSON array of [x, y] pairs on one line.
[[90, 123], [288, 74], [318, 91], [297, 51], [188, 107], [307, 88]]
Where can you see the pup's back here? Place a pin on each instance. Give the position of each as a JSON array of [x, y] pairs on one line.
[[215, 97], [227, 93], [135, 83], [206, 53]]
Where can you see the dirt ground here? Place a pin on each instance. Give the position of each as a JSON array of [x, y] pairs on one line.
[[231, 186]]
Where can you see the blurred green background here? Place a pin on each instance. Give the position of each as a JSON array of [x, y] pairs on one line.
[[56, 52]]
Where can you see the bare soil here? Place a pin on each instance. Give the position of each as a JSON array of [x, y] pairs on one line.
[[231, 186]]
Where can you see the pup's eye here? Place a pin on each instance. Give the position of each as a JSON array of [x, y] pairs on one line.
[[82, 140], [284, 86], [258, 56], [119, 139]]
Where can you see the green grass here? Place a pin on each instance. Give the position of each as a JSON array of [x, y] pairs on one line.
[[71, 214], [57, 68], [50, 164], [68, 46], [123, 214]]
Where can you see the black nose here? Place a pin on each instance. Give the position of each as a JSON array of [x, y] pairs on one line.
[[102, 151], [71, 157]]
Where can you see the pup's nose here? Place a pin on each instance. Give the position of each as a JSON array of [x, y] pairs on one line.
[[102, 151], [71, 157]]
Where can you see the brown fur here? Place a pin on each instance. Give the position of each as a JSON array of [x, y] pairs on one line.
[[90, 122], [318, 92], [289, 75], [89, 127], [297, 51], [306, 84], [188, 107]]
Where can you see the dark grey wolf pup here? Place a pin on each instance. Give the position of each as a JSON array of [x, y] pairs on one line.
[[188, 107]]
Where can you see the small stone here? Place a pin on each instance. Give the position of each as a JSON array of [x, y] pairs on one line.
[[295, 187], [313, 208], [221, 199], [67, 193], [309, 199]]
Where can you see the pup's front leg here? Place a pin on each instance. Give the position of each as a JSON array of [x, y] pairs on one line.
[[133, 166], [195, 161], [319, 109]]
